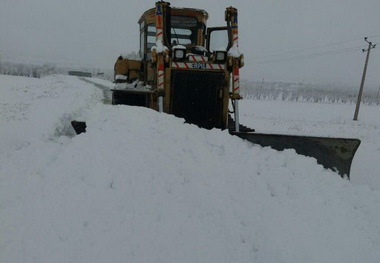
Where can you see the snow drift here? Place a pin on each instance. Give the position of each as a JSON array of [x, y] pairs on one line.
[[141, 186]]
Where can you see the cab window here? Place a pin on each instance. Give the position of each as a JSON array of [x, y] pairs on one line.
[[184, 30]]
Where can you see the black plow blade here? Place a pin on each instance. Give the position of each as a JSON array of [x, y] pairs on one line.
[[333, 153]]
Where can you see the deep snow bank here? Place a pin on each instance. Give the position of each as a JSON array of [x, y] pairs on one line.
[[141, 186]]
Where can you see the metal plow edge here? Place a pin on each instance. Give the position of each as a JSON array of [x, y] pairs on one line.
[[333, 153]]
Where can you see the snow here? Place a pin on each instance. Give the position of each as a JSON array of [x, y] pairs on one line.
[[234, 51], [201, 48], [121, 77], [159, 47], [140, 186], [178, 47], [131, 55]]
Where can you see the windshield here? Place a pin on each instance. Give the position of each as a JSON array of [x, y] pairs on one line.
[[183, 31]]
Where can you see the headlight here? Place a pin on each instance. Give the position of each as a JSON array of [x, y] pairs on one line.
[[220, 56], [179, 54]]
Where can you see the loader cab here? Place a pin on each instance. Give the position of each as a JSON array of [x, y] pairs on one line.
[[187, 28], [199, 92]]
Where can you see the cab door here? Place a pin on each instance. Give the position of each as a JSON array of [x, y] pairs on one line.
[[218, 38]]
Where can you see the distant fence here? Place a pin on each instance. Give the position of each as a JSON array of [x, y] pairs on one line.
[[307, 92], [80, 74]]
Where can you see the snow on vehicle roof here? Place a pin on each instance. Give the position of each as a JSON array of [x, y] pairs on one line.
[[190, 11]]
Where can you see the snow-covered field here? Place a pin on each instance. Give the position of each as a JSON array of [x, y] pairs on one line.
[[141, 186]]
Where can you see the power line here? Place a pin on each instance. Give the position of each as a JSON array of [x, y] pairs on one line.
[[306, 49], [311, 55]]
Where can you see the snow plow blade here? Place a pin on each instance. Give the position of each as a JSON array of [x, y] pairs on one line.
[[333, 153]]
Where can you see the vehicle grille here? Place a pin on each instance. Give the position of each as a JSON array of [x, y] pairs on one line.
[[196, 97]]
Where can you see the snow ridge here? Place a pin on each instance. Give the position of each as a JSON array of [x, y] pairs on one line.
[[141, 186]]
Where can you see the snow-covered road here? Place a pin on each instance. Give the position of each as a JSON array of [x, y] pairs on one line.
[[140, 186]]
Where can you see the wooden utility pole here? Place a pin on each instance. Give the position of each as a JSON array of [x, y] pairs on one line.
[[370, 46]]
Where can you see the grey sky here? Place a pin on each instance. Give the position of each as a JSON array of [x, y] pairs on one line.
[[272, 35]]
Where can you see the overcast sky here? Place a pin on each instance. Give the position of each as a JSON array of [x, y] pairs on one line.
[[282, 40]]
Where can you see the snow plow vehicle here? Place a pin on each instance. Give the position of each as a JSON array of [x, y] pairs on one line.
[[192, 72]]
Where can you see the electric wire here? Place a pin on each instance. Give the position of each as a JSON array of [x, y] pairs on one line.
[[310, 52], [307, 49], [311, 55]]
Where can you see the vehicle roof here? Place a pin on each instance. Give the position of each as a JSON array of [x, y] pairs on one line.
[[200, 14]]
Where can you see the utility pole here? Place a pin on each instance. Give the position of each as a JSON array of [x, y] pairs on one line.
[[370, 46]]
